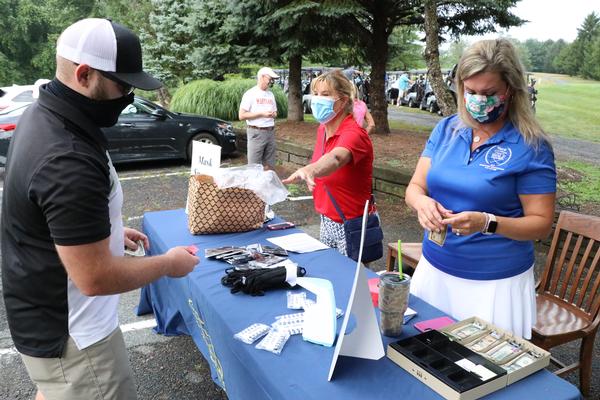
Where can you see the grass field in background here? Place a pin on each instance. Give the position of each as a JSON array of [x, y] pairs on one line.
[[587, 187], [569, 107]]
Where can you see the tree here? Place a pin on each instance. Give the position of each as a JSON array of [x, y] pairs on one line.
[[376, 20], [522, 52], [572, 57], [130, 13], [566, 61], [168, 44], [304, 26], [405, 51], [432, 56], [588, 34], [591, 63], [537, 51], [553, 49], [454, 52], [231, 33], [28, 47]]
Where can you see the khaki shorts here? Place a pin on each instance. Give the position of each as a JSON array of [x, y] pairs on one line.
[[98, 372]]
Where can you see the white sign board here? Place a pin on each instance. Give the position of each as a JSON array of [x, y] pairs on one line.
[[205, 158], [365, 340]]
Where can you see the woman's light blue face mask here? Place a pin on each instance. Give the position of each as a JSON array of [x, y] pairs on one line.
[[322, 108]]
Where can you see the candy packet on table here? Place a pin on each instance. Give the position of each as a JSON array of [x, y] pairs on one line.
[[274, 341], [292, 318], [295, 301], [252, 333], [292, 327]]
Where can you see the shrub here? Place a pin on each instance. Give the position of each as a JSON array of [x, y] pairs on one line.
[[219, 99]]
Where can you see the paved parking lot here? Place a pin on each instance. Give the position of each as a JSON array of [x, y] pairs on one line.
[[172, 367]]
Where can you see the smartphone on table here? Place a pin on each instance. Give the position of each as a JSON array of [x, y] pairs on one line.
[[280, 226]]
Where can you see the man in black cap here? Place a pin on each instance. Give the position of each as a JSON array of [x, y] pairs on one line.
[[62, 230]]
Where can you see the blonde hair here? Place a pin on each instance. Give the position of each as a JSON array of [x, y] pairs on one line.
[[500, 56], [338, 83], [354, 92]]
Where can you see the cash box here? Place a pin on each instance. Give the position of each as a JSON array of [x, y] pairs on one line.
[[469, 359]]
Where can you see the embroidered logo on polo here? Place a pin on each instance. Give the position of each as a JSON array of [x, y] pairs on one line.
[[496, 157]]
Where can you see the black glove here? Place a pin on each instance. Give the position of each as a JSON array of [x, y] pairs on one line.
[[256, 281]]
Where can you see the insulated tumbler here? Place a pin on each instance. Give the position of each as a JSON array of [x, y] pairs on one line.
[[393, 301]]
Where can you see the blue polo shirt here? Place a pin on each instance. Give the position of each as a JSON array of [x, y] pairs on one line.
[[489, 179]]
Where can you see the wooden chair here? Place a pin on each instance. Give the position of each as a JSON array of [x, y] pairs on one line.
[[411, 254], [568, 294]]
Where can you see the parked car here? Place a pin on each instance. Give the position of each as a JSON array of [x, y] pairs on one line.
[[20, 95], [10, 115], [13, 95], [147, 131], [8, 122]]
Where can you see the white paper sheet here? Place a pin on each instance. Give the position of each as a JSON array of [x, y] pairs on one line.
[[408, 314], [205, 158], [298, 243]]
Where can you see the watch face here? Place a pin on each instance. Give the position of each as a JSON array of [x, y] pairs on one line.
[[492, 226]]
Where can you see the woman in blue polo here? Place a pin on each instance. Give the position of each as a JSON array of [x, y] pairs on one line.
[[484, 189]]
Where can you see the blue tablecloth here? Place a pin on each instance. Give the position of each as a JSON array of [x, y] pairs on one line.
[[198, 305]]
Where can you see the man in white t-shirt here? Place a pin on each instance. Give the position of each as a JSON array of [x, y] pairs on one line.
[[259, 109]]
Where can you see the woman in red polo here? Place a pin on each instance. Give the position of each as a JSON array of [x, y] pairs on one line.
[[342, 161]]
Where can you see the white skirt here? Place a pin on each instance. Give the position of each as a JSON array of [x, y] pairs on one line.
[[507, 303]]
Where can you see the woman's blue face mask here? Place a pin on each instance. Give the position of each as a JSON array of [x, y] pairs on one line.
[[322, 108]]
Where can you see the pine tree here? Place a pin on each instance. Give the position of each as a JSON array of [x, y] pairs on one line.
[[168, 44], [591, 62]]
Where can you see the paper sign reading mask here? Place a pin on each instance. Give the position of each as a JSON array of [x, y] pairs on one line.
[[205, 157]]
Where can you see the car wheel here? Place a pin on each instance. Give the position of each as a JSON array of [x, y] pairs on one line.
[[432, 108], [410, 103], [203, 137]]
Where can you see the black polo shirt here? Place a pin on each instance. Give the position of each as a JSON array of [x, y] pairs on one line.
[[56, 190]]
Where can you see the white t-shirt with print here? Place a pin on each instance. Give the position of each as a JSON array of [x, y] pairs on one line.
[[258, 100]]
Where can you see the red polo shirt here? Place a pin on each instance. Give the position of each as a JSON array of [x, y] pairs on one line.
[[351, 184]]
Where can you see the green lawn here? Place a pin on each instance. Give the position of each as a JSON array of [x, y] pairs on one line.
[[569, 107], [584, 180]]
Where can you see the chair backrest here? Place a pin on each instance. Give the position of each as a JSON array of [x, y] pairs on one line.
[[572, 270]]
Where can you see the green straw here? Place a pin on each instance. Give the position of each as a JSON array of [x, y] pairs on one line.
[[400, 259]]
